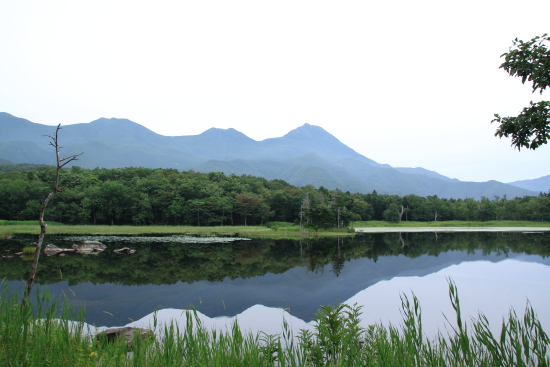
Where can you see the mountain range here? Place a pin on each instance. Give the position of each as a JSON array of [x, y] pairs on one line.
[[306, 155], [541, 184]]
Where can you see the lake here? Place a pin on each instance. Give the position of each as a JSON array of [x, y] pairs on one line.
[[261, 281]]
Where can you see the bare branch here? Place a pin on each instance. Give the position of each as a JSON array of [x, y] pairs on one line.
[[69, 159], [55, 143]]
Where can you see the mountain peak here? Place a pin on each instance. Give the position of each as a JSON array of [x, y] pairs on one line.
[[220, 130], [230, 133], [309, 131], [105, 120], [113, 124], [9, 118]]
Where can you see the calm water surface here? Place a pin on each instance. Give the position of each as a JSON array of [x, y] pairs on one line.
[[258, 279]]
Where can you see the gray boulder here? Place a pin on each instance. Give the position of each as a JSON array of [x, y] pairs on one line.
[[127, 333], [125, 250], [51, 250], [89, 247]]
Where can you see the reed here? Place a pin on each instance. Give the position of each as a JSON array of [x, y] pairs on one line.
[[47, 337]]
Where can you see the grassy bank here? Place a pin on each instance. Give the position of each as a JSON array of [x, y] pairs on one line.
[[50, 339], [276, 231]]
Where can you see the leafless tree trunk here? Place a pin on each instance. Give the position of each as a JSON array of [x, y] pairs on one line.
[[307, 206], [61, 162]]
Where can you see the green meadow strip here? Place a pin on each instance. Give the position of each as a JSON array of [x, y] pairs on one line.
[[276, 232], [279, 230], [47, 337]]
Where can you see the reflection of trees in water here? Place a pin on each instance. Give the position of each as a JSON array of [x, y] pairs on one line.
[[338, 261], [168, 263]]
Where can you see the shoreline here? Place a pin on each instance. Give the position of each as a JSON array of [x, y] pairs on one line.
[[450, 229]]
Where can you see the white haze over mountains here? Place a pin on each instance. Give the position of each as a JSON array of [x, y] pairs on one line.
[[404, 83]]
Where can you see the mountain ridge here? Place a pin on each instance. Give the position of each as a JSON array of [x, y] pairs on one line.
[[305, 155], [541, 184]]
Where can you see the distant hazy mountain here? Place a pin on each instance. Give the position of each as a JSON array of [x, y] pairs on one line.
[[541, 184], [423, 171], [311, 139], [26, 152], [300, 171], [306, 155]]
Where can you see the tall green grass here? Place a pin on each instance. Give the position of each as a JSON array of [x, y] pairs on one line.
[[48, 338]]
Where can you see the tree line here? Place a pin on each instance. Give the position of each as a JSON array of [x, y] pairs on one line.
[[144, 196]]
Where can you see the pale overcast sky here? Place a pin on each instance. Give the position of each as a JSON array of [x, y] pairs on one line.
[[408, 83]]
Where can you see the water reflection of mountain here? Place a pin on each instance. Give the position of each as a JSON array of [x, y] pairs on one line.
[[483, 286], [227, 279]]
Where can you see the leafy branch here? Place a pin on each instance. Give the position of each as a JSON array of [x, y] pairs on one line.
[[531, 62]]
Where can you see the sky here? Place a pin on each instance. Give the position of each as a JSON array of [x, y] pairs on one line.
[[407, 83]]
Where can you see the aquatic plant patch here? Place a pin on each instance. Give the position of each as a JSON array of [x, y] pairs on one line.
[[165, 239]]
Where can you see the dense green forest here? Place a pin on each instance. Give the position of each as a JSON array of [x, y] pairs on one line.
[[145, 196]]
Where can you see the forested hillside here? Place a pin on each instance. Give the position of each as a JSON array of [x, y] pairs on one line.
[[305, 155], [166, 196]]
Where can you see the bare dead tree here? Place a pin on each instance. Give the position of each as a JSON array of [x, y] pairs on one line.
[[61, 162], [401, 213], [306, 204], [301, 215]]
